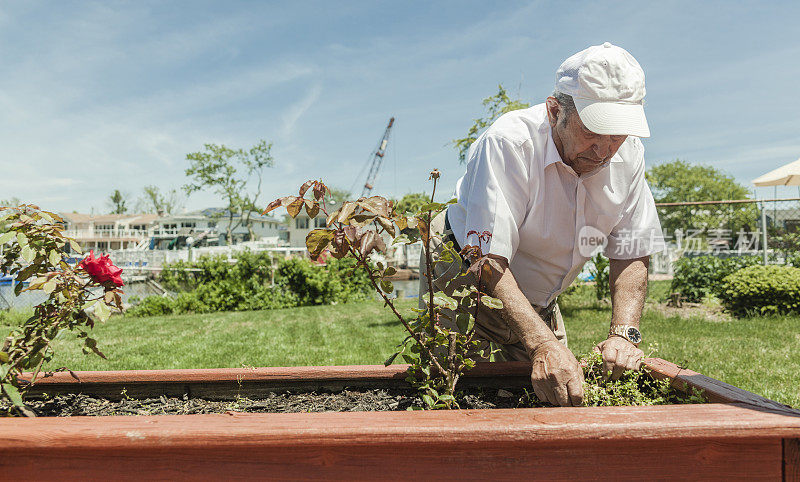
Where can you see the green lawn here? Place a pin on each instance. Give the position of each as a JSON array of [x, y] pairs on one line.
[[761, 355]]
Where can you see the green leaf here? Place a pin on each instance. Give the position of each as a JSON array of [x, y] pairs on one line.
[[22, 239], [465, 291], [390, 360], [428, 400], [13, 394], [75, 246], [492, 303], [390, 271], [462, 321], [27, 253], [317, 240], [387, 286], [441, 299], [55, 257], [6, 237], [3, 357], [402, 239], [431, 207], [49, 286], [102, 311]]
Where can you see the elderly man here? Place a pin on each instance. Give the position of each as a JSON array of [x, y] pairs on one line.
[[551, 183]]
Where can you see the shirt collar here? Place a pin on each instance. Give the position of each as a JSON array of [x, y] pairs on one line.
[[551, 153]]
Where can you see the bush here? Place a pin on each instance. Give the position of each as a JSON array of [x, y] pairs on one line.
[[762, 290], [186, 276], [245, 286], [697, 277], [337, 282]]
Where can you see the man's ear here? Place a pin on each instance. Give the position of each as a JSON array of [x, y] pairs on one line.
[[553, 108]]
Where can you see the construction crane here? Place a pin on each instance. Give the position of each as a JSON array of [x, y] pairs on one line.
[[377, 159]]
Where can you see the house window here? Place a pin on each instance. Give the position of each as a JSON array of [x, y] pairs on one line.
[[212, 224], [187, 225], [319, 222], [302, 223]]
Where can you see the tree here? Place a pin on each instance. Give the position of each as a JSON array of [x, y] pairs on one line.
[[496, 106], [117, 203], [229, 173], [335, 196], [411, 202], [680, 181], [154, 201]]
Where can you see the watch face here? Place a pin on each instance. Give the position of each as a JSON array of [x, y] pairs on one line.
[[634, 336]]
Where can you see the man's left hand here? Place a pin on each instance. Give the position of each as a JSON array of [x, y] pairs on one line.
[[619, 355]]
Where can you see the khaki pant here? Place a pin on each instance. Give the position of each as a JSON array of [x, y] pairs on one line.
[[490, 328]]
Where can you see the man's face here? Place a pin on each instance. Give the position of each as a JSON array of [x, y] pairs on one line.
[[580, 148]]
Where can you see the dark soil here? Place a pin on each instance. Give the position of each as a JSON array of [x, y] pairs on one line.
[[348, 400]]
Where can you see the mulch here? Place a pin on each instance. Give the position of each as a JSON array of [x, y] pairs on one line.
[[348, 400]]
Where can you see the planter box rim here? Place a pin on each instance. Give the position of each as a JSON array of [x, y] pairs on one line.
[[535, 425]]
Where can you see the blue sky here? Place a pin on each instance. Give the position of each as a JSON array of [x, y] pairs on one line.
[[97, 96]]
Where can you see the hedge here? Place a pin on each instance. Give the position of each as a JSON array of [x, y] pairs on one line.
[[215, 284], [762, 290]]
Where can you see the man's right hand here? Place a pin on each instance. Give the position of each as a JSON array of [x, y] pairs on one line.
[[556, 376]]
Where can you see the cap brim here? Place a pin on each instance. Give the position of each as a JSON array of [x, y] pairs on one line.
[[612, 118]]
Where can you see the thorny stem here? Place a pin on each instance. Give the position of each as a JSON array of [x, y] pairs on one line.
[[478, 296], [452, 374], [428, 260]]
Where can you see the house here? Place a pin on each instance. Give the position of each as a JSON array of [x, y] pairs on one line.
[[209, 228], [105, 232], [300, 226]]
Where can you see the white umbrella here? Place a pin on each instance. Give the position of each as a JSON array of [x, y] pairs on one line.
[[788, 175]]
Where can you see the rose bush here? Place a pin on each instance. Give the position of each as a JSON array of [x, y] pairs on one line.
[[33, 252]]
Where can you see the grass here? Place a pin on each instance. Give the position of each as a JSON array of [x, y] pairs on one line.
[[761, 355], [362, 333]]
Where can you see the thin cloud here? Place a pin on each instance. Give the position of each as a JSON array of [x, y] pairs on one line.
[[296, 110]]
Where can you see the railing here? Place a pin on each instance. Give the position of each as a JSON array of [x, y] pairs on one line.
[[107, 233]]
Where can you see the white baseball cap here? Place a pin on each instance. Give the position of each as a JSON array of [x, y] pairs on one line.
[[607, 85]]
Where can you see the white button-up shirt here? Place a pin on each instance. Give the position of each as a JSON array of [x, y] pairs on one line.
[[545, 218]]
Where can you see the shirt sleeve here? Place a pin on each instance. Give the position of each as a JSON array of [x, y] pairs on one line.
[[495, 196], [638, 233]]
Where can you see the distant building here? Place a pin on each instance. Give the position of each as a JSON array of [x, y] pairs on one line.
[[300, 226], [108, 232], [208, 228], [105, 232]]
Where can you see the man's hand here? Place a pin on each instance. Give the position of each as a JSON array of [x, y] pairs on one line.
[[556, 376], [619, 355]]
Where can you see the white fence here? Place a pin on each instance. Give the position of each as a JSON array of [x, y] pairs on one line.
[[144, 260]]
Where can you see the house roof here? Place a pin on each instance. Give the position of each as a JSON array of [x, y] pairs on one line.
[[77, 218]]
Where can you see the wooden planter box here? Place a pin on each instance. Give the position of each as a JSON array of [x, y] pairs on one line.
[[738, 435]]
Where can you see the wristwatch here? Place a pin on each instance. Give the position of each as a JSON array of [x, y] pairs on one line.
[[630, 333]]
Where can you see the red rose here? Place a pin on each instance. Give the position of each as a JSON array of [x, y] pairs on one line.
[[101, 269]]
